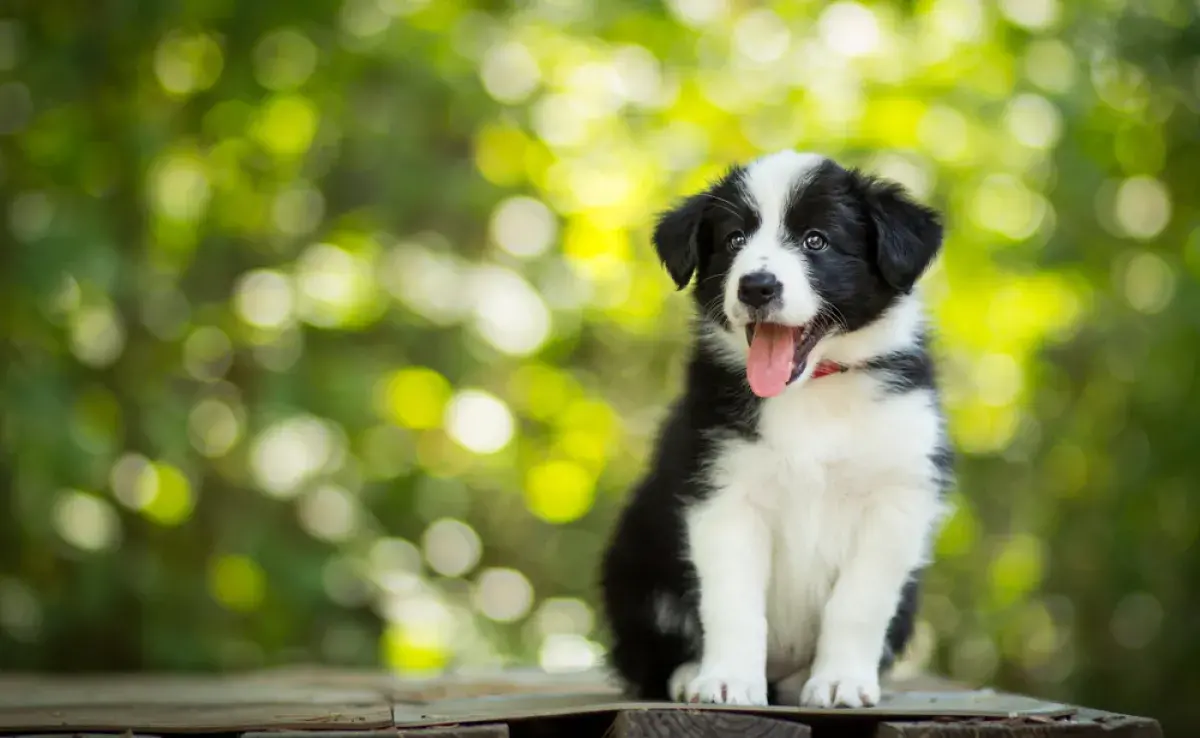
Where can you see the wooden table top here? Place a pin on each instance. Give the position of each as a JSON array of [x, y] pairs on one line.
[[482, 705]]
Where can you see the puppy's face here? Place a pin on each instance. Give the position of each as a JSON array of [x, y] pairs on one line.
[[792, 249]]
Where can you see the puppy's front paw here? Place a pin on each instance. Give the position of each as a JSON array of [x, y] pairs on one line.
[[726, 690], [840, 690]]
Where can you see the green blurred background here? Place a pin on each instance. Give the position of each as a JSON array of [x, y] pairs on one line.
[[333, 333]]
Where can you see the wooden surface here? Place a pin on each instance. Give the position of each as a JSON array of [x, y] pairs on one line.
[[1079, 724], [702, 724], [295, 703]]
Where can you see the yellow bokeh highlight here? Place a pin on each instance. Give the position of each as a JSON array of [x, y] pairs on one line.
[[1009, 313], [357, 243], [586, 447], [414, 647], [591, 415], [336, 286], [559, 491], [538, 160], [286, 125], [893, 122], [167, 494], [414, 397], [500, 154], [639, 312], [585, 240], [431, 16], [186, 63], [979, 428], [587, 432], [1016, 570], [237, 583], [541, 390]]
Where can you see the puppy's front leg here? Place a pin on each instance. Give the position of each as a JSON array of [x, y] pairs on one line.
[[890, 544], [730, 547]]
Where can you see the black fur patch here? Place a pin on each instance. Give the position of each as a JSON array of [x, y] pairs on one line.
[[904, 371]]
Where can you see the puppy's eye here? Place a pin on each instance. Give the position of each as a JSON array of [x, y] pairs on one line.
[[815, 241], [735, 240]]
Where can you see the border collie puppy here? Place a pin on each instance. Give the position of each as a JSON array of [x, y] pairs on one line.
[[773, 549]]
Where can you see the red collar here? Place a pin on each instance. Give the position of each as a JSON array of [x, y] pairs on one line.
[[825, 368]]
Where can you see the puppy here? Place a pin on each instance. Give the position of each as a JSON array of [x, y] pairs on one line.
[[774, 547]]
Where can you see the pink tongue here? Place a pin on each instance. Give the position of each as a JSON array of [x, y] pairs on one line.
[[769, 365]]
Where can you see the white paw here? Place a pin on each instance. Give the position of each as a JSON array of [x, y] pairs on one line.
[[684, 675], [837, 690], [720, 690]]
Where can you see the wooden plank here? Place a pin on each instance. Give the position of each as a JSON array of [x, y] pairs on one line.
[[895, 705], [170, 689], [459, 683], [494, 683], [458, 731], [332, 701], [185, 703], [382, 733], [497, 730], [182, 718], [702, 724], [1084, 723], [81, 735]]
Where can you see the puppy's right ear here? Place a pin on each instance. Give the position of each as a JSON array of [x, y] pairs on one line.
[[677, 238]]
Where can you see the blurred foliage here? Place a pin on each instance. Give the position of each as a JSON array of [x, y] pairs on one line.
[[332, 332]]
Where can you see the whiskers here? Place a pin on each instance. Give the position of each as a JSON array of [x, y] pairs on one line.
[[833, 317], [715, 307]]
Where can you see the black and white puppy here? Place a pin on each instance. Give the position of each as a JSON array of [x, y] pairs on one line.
[[775, 544]]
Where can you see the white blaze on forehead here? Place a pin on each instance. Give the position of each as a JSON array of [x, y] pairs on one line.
[[769, 183]]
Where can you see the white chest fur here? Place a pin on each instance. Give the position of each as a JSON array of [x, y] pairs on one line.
[[829, 453]]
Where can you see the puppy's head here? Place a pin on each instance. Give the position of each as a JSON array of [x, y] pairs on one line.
[[793, 249]]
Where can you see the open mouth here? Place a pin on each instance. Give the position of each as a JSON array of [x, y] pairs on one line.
[[778, 354]]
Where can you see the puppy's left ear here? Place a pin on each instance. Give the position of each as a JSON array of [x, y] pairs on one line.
[[677, 238], [908, 235]]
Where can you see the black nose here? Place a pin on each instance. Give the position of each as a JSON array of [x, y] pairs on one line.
[[758, 288]]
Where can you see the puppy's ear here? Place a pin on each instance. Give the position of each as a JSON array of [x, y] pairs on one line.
[[908, 235], [677, 238]]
